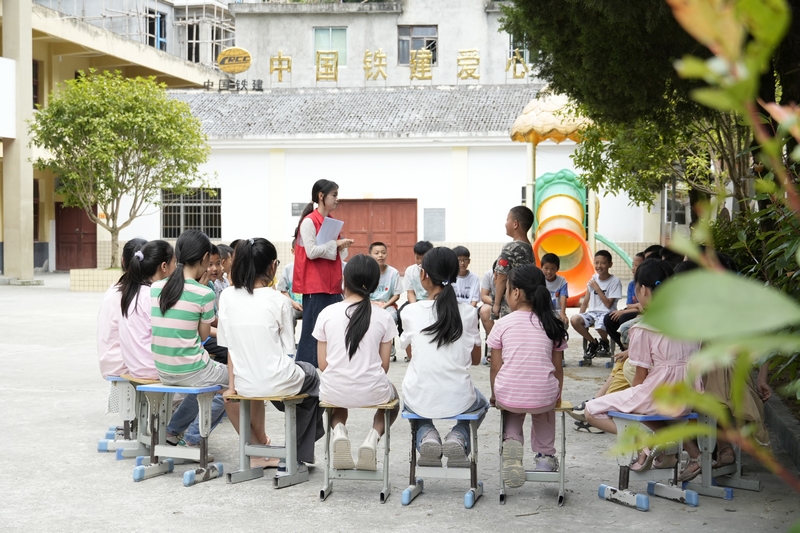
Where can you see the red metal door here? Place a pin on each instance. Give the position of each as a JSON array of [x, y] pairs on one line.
[[76, 239], [393, 222]]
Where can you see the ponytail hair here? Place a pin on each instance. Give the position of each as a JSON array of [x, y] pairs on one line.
[[253, 260], [320, 186], [530, 280], [361, 276], [142, 268], [191, 247], [130, 248], [441, 266], [652, 272]]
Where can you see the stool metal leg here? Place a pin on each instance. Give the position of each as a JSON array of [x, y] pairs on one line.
[[295, 472], [476, 487], [387, 488], [157, 402], [327, 486], [206, 472], [500, 470], [562, 466], [415, 485], [245, 473]]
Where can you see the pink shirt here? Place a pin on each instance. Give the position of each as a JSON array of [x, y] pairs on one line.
[[136, 334], [359, 381], [527, 378], [108, 351]]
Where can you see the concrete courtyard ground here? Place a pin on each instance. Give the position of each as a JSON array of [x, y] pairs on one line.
[[53, 479]]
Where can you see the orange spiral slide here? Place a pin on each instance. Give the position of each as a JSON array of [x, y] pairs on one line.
[[560, 211]]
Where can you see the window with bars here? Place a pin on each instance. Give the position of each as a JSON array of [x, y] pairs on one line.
[[331, 39], [197, 209], [193, 43], [35, 80], [416, 38], [157, 29]]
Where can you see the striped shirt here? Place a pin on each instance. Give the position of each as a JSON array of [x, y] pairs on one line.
[[527, 378], [177, 346]]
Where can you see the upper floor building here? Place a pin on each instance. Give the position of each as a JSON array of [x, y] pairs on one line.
[[379, 43]]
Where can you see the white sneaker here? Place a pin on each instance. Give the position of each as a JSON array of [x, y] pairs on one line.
[[430, 449], [546, 463], [368, 452], [342, 456], [455, 449], [513, 471]]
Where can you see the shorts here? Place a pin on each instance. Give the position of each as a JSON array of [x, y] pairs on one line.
[[594, 319]]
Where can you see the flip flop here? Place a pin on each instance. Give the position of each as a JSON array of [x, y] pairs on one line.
[[588, 427]]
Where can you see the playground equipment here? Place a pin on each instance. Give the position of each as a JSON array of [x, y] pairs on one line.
[[559, 199], [560, 228]]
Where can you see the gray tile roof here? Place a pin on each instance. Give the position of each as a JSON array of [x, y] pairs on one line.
[[467, 110]]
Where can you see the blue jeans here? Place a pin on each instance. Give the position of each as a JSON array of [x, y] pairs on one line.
[[425, 425], [186, 419]]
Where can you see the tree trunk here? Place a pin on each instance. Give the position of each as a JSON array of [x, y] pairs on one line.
[[114, 248]]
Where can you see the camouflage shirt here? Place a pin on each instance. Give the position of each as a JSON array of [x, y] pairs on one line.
[[514, 254]]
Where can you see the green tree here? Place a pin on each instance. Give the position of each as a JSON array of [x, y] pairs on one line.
[[115, 143], [613, 57]]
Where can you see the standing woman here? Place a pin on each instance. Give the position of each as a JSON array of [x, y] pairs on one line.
[[317, 267]]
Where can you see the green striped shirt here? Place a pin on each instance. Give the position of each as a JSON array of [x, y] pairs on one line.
[[176, 345]]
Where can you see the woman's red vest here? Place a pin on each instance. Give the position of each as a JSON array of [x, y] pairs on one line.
[[316, 276]]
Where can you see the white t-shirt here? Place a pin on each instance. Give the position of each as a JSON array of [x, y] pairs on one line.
[[388, 286], [437, 383], [411, 282], [612, 289], [259, 333], [468, 288], [359, 381], [487, 282]]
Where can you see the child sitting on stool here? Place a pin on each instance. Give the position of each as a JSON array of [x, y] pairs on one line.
[[526, 374]]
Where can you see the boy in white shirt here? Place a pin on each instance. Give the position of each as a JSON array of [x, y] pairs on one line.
[[388, 291], [468, 285], [413, 286], [285, 287], [602, 293]]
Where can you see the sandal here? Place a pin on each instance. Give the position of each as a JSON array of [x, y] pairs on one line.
[[649, 456], [725, 456], [688, 475], [665, 461]]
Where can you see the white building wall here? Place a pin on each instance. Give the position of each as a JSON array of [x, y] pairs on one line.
[[263, 30]]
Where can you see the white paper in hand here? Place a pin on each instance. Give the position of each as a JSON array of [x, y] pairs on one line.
[[330, 230]]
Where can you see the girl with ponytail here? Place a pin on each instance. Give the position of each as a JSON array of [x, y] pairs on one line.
[[527, 375], [182, 313], [154, 262], [256, 324], [354, 344], [317, 265], [445, 341], [108, 343]]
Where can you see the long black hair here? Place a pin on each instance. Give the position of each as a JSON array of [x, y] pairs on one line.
[[253, 259], [320, 186], [191, 247], [530, 280], [441, 266], [652, 272], [142, 268], [361, 276], [130, 248]]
